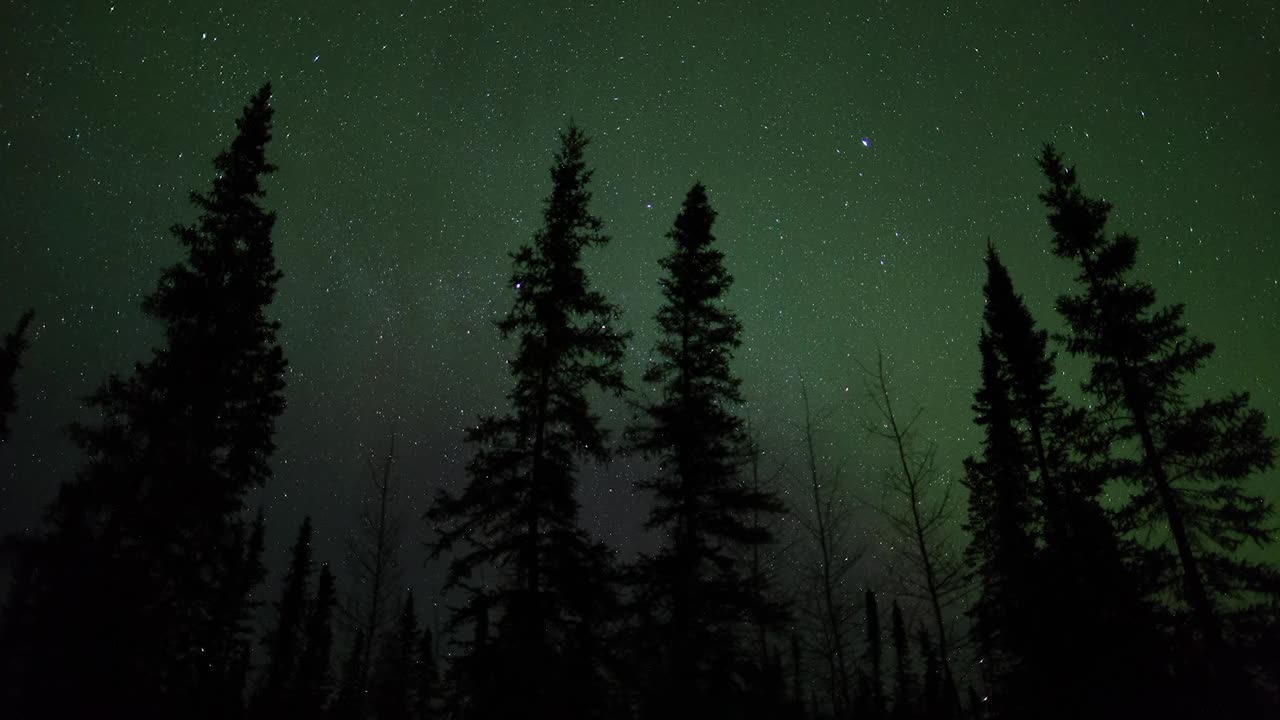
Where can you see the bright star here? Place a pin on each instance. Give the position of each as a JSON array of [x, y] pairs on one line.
[[866, 142]]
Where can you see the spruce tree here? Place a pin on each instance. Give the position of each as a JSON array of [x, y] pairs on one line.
[[904, 682], [395, 680], [348, 701], [875, 656], [285, 639], [314, 680], [518, 514], [932, 703], [1190, 460], [696, 585], [150, 527], [15, 344], [427, 679], [1054, 583], [1001, 518]]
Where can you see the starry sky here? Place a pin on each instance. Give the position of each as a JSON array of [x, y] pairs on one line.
[[859, 155]]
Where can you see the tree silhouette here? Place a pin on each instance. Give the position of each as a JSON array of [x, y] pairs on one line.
[[1187, 462], [373, 556], [395, 679], [348, 701], [315, 671], [1055, 585], [696, 585], [285, 639], [830, 607], [426, 702], [875, 656], [904, 681], [1002, 519], [518, 513], [920, 520], [151, 524], [15, 344]]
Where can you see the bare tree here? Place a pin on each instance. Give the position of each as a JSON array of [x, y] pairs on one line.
[[921, 519], [832, 611], [373, 554], [763, 560]]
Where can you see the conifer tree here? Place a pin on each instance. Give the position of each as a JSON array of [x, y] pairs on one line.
[[395, 680], [932, 703], [904, 682], [348, 701], [427, 687], [150, 527], [286, 638], [696, 584], [315, 672], [1001, 519], [875, 656], [518, 514], [15, 344], [1054, 583], [1190, 460]]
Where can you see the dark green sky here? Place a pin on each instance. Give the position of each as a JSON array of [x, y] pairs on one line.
[[859, 155]]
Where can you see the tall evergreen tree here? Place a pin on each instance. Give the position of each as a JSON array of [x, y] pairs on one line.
[[1054, 584], [15, 344], [875, 657], [518, 513], [696, 583], [904, 681], [348, 701], [932, 702], [395, 680], [426, 701], [314, 680], [1001, 519], [285, 639], [149, 528], [1190, 461]]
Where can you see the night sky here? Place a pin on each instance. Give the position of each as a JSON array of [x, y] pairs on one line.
[[859, 155]]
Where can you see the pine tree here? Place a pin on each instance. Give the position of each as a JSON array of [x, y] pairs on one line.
[[150, 525], [1190, 460], [395, 681], [1001, 514], [904, 681], [696, 583], [315, 672], [15, 344], [518, 513], [235, 609], [1055, 586], [875, 657], [349, 699], [933, 703], [427, 679], [286, 638]]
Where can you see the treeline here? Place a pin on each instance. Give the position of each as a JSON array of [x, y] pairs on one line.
[[1103, 576]]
